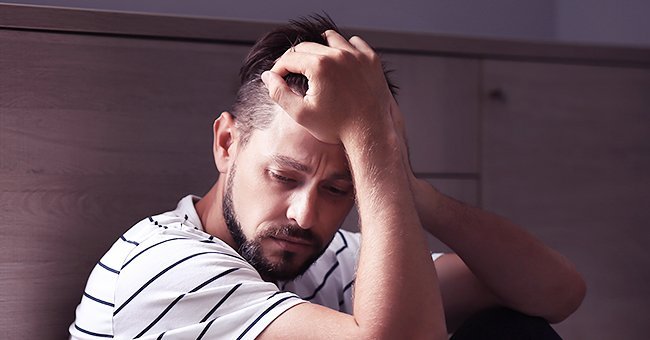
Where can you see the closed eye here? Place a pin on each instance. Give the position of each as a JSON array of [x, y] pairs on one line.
[[281, 178], [337, 191]]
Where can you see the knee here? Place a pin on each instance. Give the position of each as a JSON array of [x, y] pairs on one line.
[[504, 323]]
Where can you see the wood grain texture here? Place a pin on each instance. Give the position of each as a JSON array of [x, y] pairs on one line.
[[438, 97], [96, 133], [52, 239], [566, 153]]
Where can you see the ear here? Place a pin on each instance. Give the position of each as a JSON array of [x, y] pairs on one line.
[[224, 144]]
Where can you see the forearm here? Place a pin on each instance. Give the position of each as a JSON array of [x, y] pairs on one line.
[[519, 269], [348, 101], [396, 287]]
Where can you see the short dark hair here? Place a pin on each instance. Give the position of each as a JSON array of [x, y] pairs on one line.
[[253, 108]]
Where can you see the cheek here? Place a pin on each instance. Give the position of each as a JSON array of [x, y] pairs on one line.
[[256, 203]]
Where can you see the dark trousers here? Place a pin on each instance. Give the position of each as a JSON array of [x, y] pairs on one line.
[[504, 324]]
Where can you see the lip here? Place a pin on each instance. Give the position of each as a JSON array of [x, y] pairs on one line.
[[292, 244]]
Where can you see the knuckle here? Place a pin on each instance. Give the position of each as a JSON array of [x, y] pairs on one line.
[[344, 56], [320, 63], [320, 60], [373, 57], [339, 55]]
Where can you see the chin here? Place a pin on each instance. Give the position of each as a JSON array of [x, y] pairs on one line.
[[285, 267]]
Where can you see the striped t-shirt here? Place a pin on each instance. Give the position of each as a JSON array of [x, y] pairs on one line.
[[165, 278]]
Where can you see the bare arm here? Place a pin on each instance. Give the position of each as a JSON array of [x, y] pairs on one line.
[[496, 261], [516, 267], [396, 293]]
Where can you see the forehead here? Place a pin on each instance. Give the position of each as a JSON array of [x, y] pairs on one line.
[[286, 138]]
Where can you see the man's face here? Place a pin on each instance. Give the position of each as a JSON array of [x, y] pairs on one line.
[[286, 196]]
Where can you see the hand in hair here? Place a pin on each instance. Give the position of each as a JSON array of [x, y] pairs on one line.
[[347, 94]]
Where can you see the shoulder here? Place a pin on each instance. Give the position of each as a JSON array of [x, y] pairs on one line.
[[183, 282], [165, 275]]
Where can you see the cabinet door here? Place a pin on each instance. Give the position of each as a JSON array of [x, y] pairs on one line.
[[438, 97], [566, 153]]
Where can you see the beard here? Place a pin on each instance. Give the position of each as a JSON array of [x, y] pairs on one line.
[[285, 268]]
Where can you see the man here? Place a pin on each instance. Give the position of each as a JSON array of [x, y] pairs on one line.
[[315, 127]]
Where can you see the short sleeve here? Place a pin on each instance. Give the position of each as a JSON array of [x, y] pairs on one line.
[[190, 289]]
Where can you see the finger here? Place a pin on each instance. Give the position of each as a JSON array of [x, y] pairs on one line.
[[335, 40], [312, 47], [281, 93], [296, 62], [308, 47], [361, 45]]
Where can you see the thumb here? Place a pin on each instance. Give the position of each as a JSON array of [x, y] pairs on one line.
[[281, 93]]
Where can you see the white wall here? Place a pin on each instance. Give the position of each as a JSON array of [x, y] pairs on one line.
[[503, 18], [611, 22], [624, 22]]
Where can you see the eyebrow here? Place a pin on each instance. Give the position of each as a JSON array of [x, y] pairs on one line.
[[289, 162], [286, 161]]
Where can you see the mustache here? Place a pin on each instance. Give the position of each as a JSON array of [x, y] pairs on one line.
[[289, 230]]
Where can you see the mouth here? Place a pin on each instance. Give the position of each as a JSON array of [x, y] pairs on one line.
[[292, 244]]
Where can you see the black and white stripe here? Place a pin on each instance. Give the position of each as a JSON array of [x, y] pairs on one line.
[[345, 289], [274, 305], [221, 302], [173, 303], [98, 300], [155, 277], [152, 246], [166, 278], [99, 335], [129, 241], [331, 269], [115, 271], [322, 284]]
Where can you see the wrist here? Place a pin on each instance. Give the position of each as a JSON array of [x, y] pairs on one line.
[[427, 202], [369, 135], [377, 154]]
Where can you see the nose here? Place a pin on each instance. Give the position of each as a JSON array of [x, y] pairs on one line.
[[303, 208]]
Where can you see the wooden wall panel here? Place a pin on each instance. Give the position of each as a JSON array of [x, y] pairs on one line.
[[96, 133], [99, 130], [566, 153], [438, 97], [100, 103]]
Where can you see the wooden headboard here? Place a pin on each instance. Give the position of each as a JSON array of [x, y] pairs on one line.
[[106, 118]]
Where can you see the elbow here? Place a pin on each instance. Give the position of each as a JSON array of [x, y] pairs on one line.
[[568, 298]]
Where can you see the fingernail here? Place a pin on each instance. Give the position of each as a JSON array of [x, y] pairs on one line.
[[265, 77]]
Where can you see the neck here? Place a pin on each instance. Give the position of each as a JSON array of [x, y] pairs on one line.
[[209, 209]]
